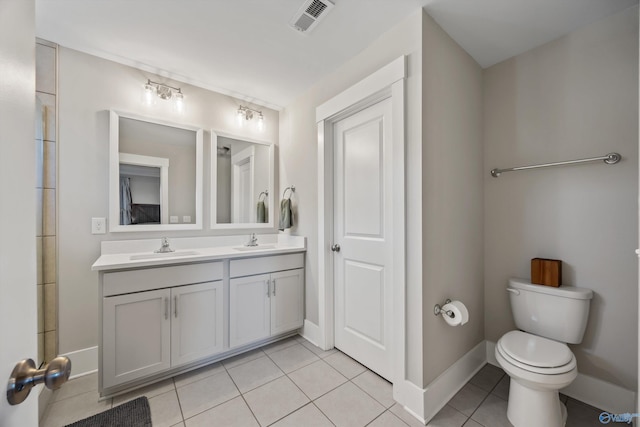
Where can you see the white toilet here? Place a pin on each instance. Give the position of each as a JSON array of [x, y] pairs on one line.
[[536, 357]]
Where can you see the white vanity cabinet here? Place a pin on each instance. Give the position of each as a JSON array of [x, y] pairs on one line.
[[152, 320], [198, 307], [265, 297]]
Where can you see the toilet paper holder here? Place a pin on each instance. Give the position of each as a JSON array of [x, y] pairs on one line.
[[437, 310]]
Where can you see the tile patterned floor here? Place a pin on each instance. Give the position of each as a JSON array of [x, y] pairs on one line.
[[293, 384]]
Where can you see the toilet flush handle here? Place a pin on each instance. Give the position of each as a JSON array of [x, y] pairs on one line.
[[513, 291]]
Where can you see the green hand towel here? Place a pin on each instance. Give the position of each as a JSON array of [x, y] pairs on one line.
[[286, 218], [262, 212]]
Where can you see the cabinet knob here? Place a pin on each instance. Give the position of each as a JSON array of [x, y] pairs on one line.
[[335, 248]]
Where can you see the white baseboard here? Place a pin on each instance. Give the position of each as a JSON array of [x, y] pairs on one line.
[[590, 390], [311, 332], [601, 394], [411, 397], [83, 362], [443, 388], [491, 354], [44, 398], [425, 403]]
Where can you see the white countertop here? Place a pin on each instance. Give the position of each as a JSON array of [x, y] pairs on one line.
[[124, 254]]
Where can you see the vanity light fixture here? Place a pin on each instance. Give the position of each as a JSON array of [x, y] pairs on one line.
[[154, 89], [246, 114]]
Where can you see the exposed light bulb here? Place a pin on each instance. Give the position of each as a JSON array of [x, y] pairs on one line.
[[241, 116], [178, 102], [148, 94], [260, 122]]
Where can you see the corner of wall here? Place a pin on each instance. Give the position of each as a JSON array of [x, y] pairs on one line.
[[452, 196]]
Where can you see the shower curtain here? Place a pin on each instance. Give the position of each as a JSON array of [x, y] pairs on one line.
[[125, 200]]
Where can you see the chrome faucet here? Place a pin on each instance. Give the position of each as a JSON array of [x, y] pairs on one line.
[[253, 240], [165, 247]]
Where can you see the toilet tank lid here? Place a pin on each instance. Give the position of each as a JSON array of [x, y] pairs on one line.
[[562, 291]]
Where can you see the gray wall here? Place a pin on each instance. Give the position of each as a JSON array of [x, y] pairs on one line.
[[443, 184], [572, 98], [88, 87], [452, 194], [299, 166]]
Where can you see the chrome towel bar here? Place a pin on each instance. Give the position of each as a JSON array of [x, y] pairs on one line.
[[610, 159]]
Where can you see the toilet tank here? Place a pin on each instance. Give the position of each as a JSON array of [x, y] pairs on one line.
[[557, 313]]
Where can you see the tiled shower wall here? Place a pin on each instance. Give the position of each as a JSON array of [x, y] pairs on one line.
[[46, 56]]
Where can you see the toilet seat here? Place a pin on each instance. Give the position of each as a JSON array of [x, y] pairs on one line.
[[536, 354]]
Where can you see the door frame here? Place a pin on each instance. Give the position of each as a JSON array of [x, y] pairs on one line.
[[245, 156], [388, 82]]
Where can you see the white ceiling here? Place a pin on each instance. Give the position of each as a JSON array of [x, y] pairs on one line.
[[246, 48]]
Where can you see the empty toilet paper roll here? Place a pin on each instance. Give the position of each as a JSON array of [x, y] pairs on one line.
[[460, 313]]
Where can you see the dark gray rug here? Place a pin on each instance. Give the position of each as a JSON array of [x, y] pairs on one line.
[[134, 413]]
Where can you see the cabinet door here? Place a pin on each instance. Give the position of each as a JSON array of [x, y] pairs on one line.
[[249, 309], [287, 292], [196, 322], [136, 336]]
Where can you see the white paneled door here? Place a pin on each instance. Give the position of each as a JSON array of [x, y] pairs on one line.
[[362, 230], [18, 308]]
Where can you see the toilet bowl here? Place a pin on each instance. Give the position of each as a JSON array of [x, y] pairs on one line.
[[538, 368], [536, 357]]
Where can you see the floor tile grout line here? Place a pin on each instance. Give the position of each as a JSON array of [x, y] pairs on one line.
[[184, 420], [194, 381], [276, 363], [490, 393], [283, 348], [316, 361], [384, 412], [260, 385], [242, 396], [325, 393], [175, 389], [296, 385], [286, 415], [369, 394], [322, 412], [208, 409], [250, 410], [247, 361]]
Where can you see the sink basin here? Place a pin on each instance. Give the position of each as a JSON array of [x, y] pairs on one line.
[[163, 255], [254, 248]]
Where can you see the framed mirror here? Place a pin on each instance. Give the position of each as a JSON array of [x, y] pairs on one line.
[[155, 174], [242, 182]]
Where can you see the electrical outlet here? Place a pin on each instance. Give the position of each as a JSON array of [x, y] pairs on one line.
[[98, 225], [186, 219], [173, 219]]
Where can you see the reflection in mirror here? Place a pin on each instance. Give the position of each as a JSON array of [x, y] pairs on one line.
[[243, 172], [155, 175], [143, 189]]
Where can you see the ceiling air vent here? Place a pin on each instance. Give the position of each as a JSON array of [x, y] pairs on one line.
[[309, 14]]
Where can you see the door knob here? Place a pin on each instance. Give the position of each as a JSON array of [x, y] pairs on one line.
[[335, 248], [25, 376]]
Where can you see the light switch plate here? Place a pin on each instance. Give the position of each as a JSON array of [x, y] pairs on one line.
[[186, 219], [173, 219], [98, 225]]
